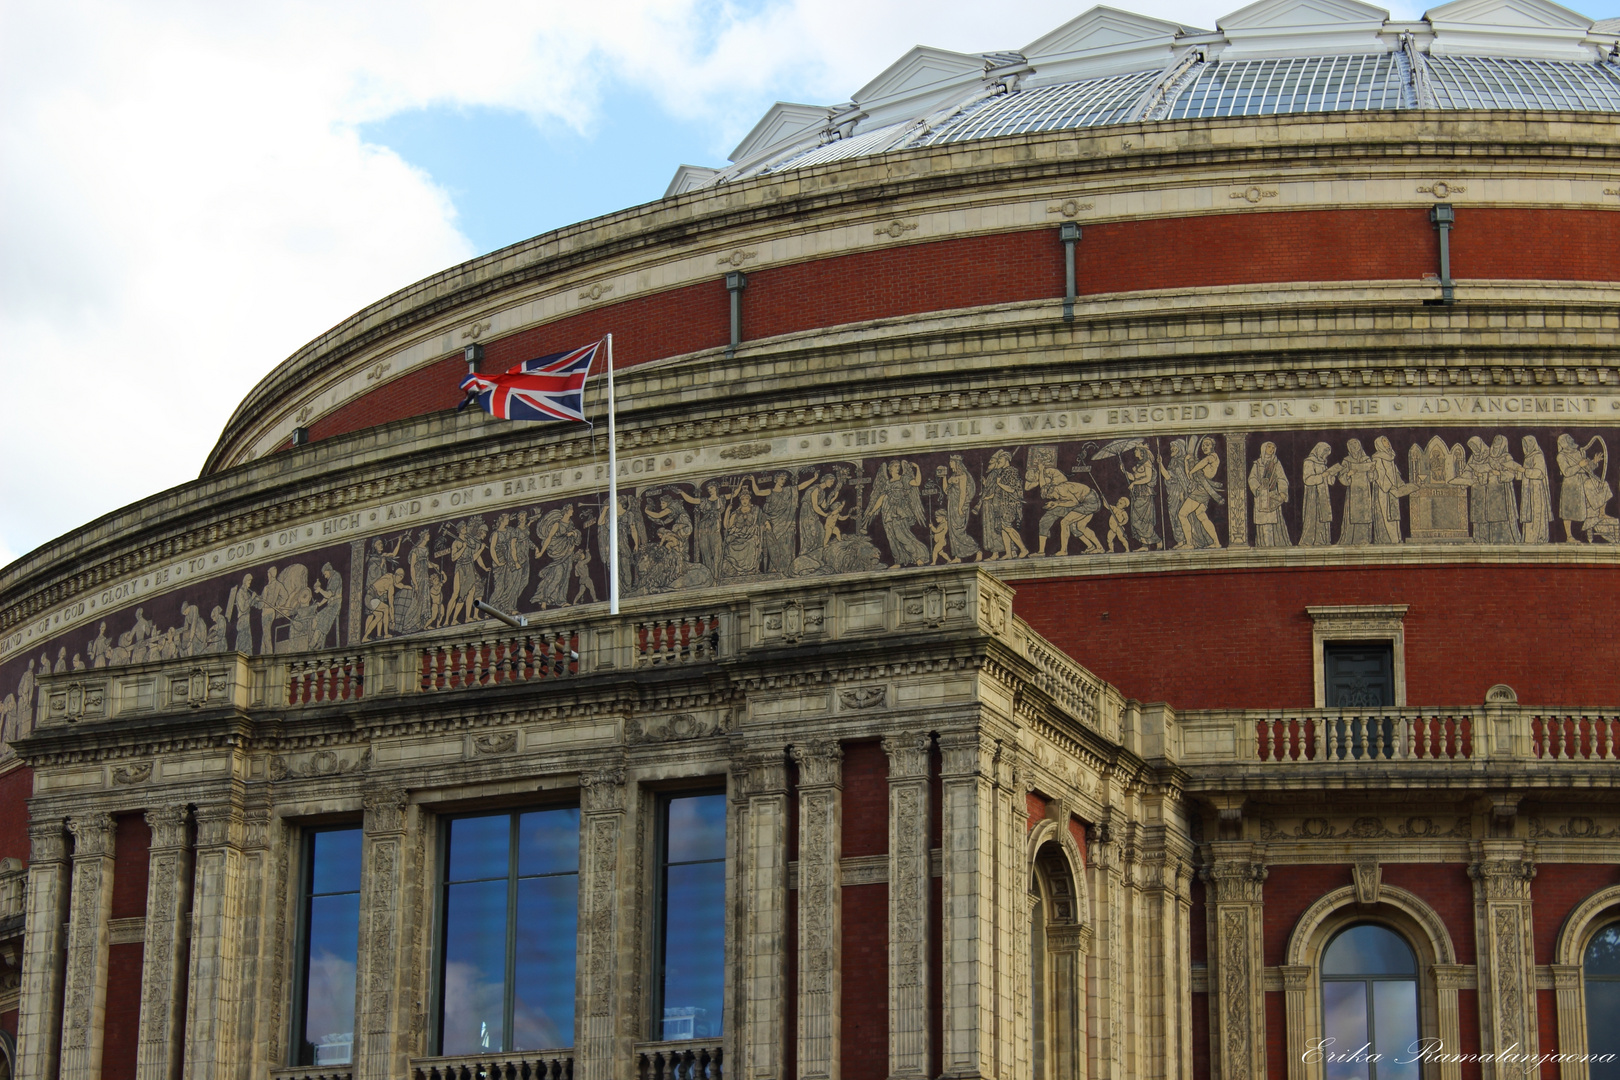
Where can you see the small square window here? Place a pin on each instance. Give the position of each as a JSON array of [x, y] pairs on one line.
[[1358, 674]]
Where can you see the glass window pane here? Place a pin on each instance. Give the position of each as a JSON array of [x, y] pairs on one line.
[[1344, 1025], [1603, 954], [1395, 1023], [335, 864], [479, 847], [474, 966], [333, 941], [694, 949], [697, 828], [1369, 950], [1602, 1031], [548, 913], [548, 843]]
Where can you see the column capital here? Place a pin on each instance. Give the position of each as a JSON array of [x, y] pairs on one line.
[[219, 825], [1236, 880], [760, 772], [1450, 976], [820, 763], [92, 835], [968, 753], [47, 841], [384, 810], [168, 825], [908, 754], [1504, 879], [601, 791]]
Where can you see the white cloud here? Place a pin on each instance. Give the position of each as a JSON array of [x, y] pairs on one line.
[[184, 199]]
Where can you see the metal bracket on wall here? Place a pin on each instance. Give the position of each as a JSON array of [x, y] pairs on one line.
[[736, 282], [1069, 233], [1445, 219]]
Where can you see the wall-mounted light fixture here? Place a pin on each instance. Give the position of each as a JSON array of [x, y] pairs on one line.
[[475, 357]]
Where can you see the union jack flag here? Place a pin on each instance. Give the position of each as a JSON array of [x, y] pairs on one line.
[[550, 387]]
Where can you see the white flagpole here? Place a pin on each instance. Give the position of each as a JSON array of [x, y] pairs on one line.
[[613, 494]]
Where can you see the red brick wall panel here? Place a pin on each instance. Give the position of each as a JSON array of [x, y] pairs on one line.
[[1448, 889], [123, 1021], [866, 800], [1122, 256], [1077, 830], [15, 788], [1547, 1025], [1555, 891], [864, 1035], [1468, 1033], [1034, 810], [1198, 928], [131, 845], [1289, 890], [1200, 1036], [1276, 1037], [1242, 638]]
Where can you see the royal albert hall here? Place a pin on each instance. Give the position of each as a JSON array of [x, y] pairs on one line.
[[1119, 560]]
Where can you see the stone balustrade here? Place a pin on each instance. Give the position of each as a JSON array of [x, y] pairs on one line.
[[519, 1065]]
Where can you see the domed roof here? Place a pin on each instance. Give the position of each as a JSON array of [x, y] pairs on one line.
[[1274, 56]]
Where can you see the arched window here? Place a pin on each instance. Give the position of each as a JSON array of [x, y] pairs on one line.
[[1369, 1005], [1056, 965], [1601, 968]]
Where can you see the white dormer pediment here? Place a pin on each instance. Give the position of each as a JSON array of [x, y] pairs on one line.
[[1536, 29], [783, 122], [1303, 28], [690, 178], [918, 82], [1101, 41]]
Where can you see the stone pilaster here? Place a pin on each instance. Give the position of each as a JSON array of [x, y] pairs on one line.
[[1107, 966], [1448, 979], [762, 880], [1296, 980], [601, 823], [258, 959], [1237, 991], [213, 1000], [1503, 943], [1012, 918], [821, 786], [163, 966], [1067, 948], [84, 1000], [383, 966], [908, 904], [39, 1022], [1167, 1008], [968, 794]]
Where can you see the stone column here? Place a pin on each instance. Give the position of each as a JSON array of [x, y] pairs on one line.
[[1107, 967], [1571, 1031], [383, 966], [214, 994], [1503, 943], [163, 964], [84, 1001], [1165, 1012], [762, 881], [1066, 950], [821, 786], [968, 794], [1296, 980], [1236, 988], [39, 1021], [909, 927], [1012, 917], [601, 823], [1448, 979], [256, 1012]]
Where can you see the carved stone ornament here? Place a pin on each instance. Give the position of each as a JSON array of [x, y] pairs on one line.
[[1576, 828], [761, 772], [92, 834], [1253, 194], [477, 330], [1368, 828], [1237, 880], [863, 697], [495, 742], [219, 825], [1070, 207], [597, 290], [138, 773], [47, 841], [894, 230], [320, 763], [78, 701], [968, 754], [745, 451], [385, 810], [1501, 694], [1504, 879], [1440, 189], [1368, 877], [736, 258], [671, 728], [794, 620]]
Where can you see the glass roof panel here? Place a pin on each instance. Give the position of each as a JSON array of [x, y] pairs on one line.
[[1048, 108], [1479, 82], [1292, 85]]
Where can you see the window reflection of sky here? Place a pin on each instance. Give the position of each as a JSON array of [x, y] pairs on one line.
[[1369, 968], [538, 882], [332, 943], [1344, 1020], [1602, 970], [694, 917]]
